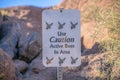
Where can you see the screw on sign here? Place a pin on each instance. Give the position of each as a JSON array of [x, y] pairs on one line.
[[61, 39]]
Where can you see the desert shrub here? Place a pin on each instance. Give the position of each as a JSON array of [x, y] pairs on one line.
[[111, 66], [4, 12], [112, 22], [107, 17], [112, 43]]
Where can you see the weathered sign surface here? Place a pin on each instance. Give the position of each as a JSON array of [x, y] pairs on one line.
[[61, 38]]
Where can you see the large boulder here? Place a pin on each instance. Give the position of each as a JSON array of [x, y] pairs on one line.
[[37, 71], [20, 40], [47, 74], [36, 65], [7, 69], [20, 65], [9, 36], [19, 75], [30, 46]]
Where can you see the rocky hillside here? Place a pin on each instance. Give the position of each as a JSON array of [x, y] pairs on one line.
[[21, 42], [88, 22]]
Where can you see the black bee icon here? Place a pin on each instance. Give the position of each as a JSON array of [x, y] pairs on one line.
[[73, 25], [61, 61], [60, 25], [48, 26], [49, 61], [73, 61]]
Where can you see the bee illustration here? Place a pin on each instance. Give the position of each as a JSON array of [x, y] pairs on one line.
[[61, 61], [73, 25], [60, 25], [49, 61], [73, 60], [48, 26]]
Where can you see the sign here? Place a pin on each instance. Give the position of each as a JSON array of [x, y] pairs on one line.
[[61, 38]]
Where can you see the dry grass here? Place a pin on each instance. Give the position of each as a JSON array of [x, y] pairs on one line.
[[108, 17], [4, 12]]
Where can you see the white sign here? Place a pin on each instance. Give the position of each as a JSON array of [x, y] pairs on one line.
[[61, 38]]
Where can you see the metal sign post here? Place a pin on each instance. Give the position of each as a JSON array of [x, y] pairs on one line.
[[61, 39], [59, 73]]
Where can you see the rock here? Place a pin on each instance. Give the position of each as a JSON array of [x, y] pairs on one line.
[[30, 46], [7, 69], [9, 36], [94, 67], [36, 65], [91, 64], [37, 71], [73, 77], [94, 50], [19, 76], [88, 27], [46, 74], [20, 65]]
